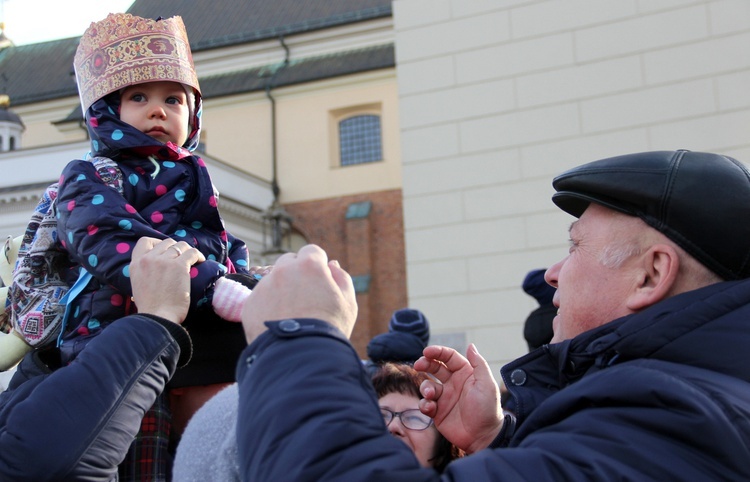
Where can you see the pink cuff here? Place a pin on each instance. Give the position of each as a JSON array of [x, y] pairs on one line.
[[229, 298]]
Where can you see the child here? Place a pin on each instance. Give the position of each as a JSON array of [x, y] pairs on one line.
[[142, 104]]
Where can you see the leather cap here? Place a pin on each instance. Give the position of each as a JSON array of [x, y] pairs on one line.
[[699, 200]]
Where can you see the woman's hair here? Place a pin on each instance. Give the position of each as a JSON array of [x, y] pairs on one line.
[[402, 378]]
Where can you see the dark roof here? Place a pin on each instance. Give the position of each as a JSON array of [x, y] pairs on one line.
[[44, 71], [305, 70], [229, 22], [7, 115], [38, 72]]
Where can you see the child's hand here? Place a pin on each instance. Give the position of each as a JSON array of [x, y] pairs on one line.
[[230, 296]]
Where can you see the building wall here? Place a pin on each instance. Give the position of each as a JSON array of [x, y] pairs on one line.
[[39, 121], [496, 98], [372, 246], [315, 190], [238, 131]]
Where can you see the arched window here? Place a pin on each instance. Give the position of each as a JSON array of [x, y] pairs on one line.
[[360, 139], [12, 143]]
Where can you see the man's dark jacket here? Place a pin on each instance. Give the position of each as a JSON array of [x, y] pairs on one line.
[[660, 395], [77, 422]]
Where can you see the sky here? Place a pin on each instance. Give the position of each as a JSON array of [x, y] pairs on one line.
[[32, 21]]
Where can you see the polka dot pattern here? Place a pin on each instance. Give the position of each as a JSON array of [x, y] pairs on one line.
[[116, 300], [166, 188]]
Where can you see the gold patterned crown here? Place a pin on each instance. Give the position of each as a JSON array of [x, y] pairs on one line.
[[124, 50]]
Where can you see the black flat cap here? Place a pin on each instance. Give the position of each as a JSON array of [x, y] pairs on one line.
[[699, 200]]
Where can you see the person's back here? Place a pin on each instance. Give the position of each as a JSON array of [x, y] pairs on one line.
[[209, 447]]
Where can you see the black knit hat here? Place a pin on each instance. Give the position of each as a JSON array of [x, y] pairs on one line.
[[217, 345], [699, 200], [535, 285], [408, 334]]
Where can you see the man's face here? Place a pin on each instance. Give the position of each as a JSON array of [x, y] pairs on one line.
[[590, 293], [158, 109]]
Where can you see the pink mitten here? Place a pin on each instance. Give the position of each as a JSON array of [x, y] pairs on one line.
[[229, 298]]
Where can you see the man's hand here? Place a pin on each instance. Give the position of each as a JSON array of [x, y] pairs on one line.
[[466, 404], [160, 277], [302, 285]]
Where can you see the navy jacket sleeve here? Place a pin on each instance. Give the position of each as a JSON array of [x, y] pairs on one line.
[[77, 422], [308, 411]]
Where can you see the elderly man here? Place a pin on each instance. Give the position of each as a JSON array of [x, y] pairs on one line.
[[647, 377]]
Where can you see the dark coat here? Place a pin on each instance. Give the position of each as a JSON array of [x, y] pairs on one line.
[[660, 395], [77, 422], [130, 186], [166, 191]]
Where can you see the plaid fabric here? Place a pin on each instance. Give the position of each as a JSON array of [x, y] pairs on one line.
[[148, 459]]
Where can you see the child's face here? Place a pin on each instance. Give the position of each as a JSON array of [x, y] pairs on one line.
[[158, 109]]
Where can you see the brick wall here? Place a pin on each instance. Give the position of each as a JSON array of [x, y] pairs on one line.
[[371, 245]]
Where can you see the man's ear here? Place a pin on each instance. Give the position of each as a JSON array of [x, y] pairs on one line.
[[659, 267]]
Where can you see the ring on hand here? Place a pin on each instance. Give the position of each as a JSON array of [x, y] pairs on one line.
[[174, 246]]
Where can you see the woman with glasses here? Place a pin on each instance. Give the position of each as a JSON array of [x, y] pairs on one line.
[[397, 386]]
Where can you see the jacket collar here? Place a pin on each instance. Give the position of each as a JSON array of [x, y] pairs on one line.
[[708, 318]]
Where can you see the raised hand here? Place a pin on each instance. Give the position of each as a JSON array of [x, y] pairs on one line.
[[302, 285], [160, 277], [465, 404]]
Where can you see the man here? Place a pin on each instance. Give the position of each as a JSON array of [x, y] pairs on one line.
[[647, 377], [77, 422]]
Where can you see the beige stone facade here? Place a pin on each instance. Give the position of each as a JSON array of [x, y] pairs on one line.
[[498, 97]]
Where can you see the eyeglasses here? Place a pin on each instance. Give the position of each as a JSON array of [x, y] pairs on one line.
[[412, 419]]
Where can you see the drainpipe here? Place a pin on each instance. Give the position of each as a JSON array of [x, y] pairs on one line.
[[276, 216], [269, 86]]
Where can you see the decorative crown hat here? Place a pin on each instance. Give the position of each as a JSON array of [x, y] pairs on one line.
[[124, 50]]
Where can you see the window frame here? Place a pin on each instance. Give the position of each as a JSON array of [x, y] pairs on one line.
[[340, 115]]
